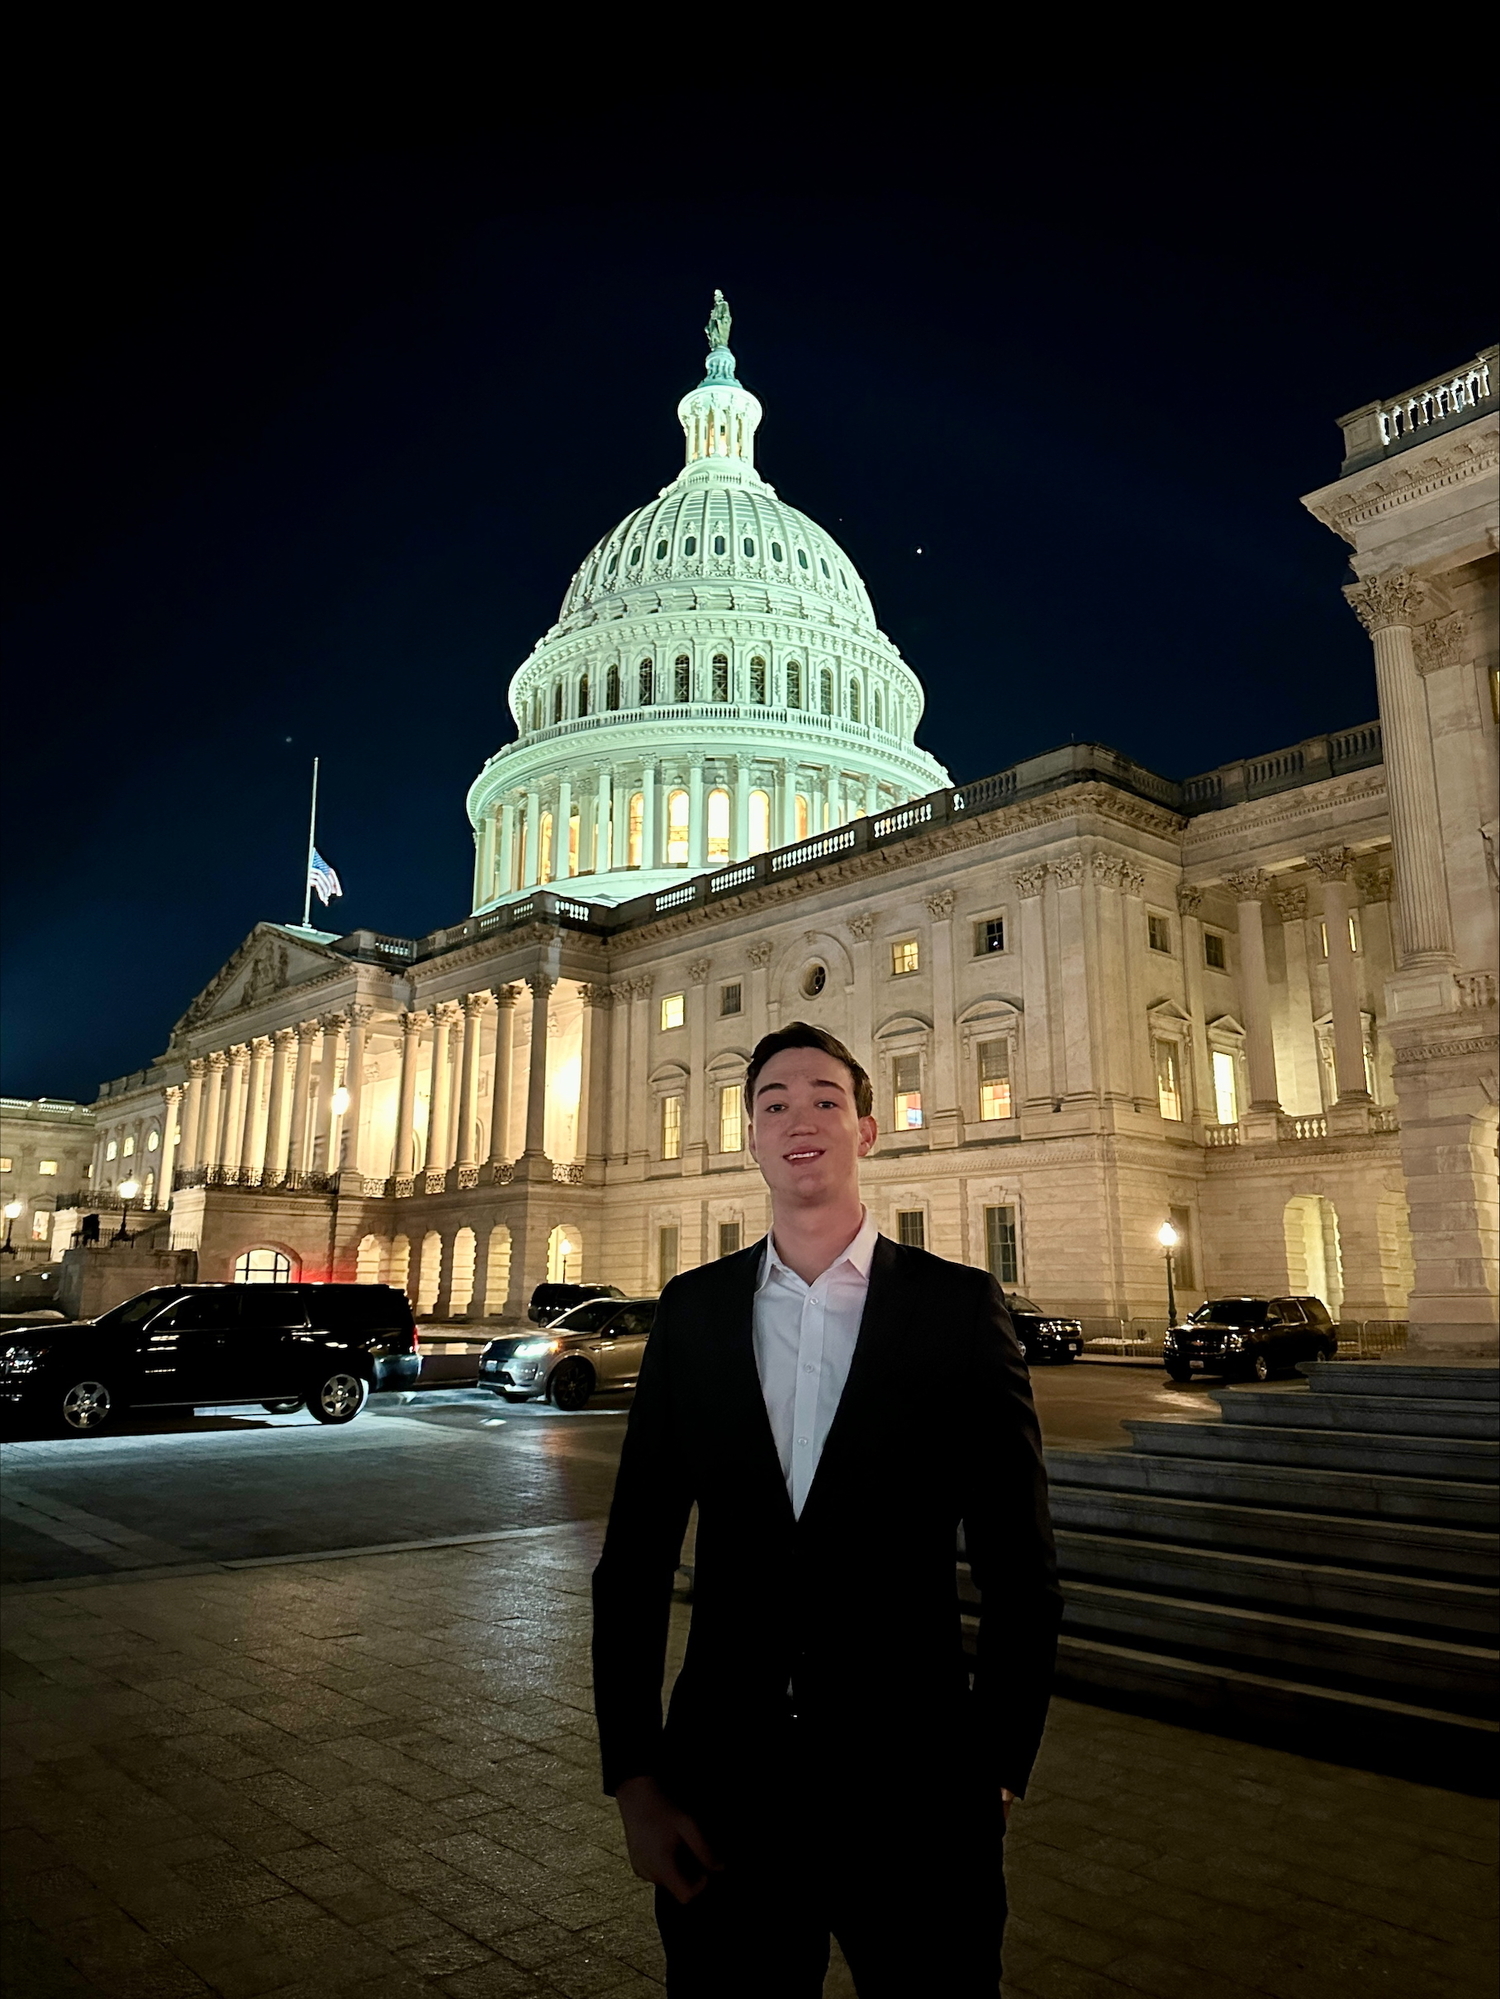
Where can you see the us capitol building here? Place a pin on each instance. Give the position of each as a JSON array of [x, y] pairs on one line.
[[1260, 1002]]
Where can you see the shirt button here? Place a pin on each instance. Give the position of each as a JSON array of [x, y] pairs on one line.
[[802, 1440]]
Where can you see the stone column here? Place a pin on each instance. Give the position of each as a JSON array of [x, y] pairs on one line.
[[604, 801], [354, 1083], [639, 1139], [504, 1056], [740, 846], [1068, 879], [532, 858], [650, 833], [213, 1098], [1334, 864], [192, 1115], [325, 1160], [166, 1169], [474, 1007], [507, 868], [861, 929], [1300, 1072], [1255, 1002], [232, 1117], [274, 1168], [251, 1153], [1189, 903], [946, 1120], [405, 1160], [697, 832], [1029, 885], [541, 984], [560, 825], [1387, 606], [698, 1137], [786, 804], [758, 957], [437, 1091], [593, 1086], [301, 1136]]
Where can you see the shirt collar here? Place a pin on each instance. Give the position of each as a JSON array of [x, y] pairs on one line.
[[859, 1255]]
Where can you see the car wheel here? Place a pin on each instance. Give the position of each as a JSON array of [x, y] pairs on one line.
[[1260, 1367], [87, 1406], [288, 1406], [338, 1397], [571, 1385], [1178, 1371]]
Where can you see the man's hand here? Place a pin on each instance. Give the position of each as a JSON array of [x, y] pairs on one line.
[[664, 1843]]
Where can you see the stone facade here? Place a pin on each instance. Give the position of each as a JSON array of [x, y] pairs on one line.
[[46, 1147]]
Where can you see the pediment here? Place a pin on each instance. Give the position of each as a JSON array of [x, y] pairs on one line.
[[269, 961], [1168, 1010], [1225, 1023]]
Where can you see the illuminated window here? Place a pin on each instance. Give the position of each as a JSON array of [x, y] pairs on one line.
[[518, 852], [1168, 1080], [47, 1167], [721, 677], [666, 1255], [1353, 934], [1158, 932], [153, 1140], [801, 816], [989, 935], [911, 1228], [544, 873], [853, 700], [907, 1079], [760, 821], [677, 829], [682, 678], [612, 688], [1226, 1087], [672, 1010], [690, 546], [826, 688], [731, 998], [647, 680], [729, 1238], [1213, 950], [671, 1127], [731, 1118], [718, 826], [111, 1150], [877, 715], [262, 1266], [41, 1221], [557, 702], [635, 836], [6, 1162], [793, 684], [128, 1147], [574, 828], [905, 957], [583, 694], [1000, 1245], [758, 681], [994, 1080], [148, 1191], [776, 552]]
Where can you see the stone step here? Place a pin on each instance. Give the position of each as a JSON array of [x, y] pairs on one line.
[[1355, 1492], [1373, 1415], [1397, 1665], [1466, 1459], [1409, 1547], [1468, 1612], [1396, 1378]]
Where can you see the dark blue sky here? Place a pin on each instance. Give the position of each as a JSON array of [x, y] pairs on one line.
[[309, 437]]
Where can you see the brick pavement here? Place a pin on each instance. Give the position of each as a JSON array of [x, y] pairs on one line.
[[375, 1775]]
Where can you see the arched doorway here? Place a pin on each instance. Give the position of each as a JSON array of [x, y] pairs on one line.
[[497, 1272], [461, 1288], [430, 1273], [398, 1266], [565, 1255], [369, 1262], [1314, 1262], [263, 1266]]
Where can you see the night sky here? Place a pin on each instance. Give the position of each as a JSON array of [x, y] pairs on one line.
[[312, 426]]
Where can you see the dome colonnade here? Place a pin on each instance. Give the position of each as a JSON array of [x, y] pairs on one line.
[[715, 686]]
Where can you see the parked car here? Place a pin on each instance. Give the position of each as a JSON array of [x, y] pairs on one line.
[[1252, 1337], [550, 1301], [282, 1345], [1044, 1336], [597, 1345]]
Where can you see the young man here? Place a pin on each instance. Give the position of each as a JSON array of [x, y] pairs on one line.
[[837, 1406]]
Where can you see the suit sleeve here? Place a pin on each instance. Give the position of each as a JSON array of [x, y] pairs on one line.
[[633, 1581], [1008, 1538]]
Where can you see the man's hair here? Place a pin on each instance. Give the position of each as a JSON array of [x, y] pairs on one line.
[[802, 1034]]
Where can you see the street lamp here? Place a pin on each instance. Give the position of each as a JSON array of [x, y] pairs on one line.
[[13, 1210], [1168, 1237], [128, 1191]]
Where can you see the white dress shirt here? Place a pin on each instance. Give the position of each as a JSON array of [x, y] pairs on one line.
[[804, 1342]]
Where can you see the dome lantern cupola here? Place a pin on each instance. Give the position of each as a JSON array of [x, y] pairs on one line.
[[719, 417]]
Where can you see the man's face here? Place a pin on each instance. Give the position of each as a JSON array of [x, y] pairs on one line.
[[804, 1133]]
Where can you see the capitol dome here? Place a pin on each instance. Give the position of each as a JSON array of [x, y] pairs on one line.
[[715, 685]]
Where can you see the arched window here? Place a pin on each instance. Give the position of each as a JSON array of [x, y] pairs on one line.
[[682, 678], [369, 1261], [749, 547], [718, 826], [776, 552], [677, 829], [793, 684], [544, 871], [760, 822], [583, 694], [153, 1139], [879, 705], [802, 558], [661, 551], [690, 545], [612, 688], [148, 1191], [853, 700], [557, 702], [461, 1282], [262, 1266], [613, 564], [721, 677], [635, 556], [802, 819], [111, 1149], [127, 1150], [429, 1273], [826, 689], [518, 851], [647, 683], [758, 681], [635, 834], [718, 544], [823, 565]]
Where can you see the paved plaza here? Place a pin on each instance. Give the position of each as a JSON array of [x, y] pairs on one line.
[[375, 1775]]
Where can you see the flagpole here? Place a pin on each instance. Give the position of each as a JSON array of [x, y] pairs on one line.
[[312, 840]]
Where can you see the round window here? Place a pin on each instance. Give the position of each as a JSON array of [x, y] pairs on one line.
[[813, 981]]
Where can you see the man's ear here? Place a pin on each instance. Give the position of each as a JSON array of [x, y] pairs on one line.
[[868, 1133]]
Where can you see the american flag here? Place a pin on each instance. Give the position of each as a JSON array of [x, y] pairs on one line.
[[325, 883]]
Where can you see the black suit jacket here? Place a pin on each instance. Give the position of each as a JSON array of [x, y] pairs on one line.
[[855, 1603]]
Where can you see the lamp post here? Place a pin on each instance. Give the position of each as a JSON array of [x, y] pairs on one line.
[[128, 1191], [1168, 1237], [13, 1210]]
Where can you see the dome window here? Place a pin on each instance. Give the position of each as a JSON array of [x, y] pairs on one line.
[[677, 829], [826, 689], [635, 558], [661, 551], [776, 552], [718, 825], [647, 684], [878, 717], [760, 821], [583, 694], [613, 564], [690, 546], [557, 702], [793, 684], [802, 558], [843, 579], [813, 981], [822, 564], [853, 700], [721, 677], [612, 688], [682, 678], [758, 681], [719, 544], [749, 547]]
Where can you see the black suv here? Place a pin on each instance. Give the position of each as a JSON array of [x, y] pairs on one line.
[[550, 1301], [1251, 1337], [280, 1345], [1043, 1336]]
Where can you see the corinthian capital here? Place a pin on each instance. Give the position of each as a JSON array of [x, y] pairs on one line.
[[1332, 863], [1440, 642], [1291, 904], [940, 904], [1381, 601], [1249, 885], [1029, 880]]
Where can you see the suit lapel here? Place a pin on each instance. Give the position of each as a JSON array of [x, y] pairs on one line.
[[743, 1404], [873, 1364]]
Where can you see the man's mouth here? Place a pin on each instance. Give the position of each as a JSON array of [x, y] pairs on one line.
[[796, 1158]]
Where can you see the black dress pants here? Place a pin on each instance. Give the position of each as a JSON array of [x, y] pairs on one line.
[[907, 1875]]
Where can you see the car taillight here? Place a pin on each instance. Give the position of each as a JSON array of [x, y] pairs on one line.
[[416, 1342]]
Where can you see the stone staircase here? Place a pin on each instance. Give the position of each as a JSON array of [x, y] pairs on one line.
[[1318, 1568]]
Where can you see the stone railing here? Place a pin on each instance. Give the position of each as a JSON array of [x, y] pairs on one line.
[[1379, 430], [264, 1178], [1221, 1134], [1475, 989], [1298, 1129], [567, 1172]]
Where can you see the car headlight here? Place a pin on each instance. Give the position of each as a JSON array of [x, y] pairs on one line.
[[1170, 1340], [20, 1360], [1234, 1342], [534, 1349]]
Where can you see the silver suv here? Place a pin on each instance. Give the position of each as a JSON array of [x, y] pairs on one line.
[[598, 1345]]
